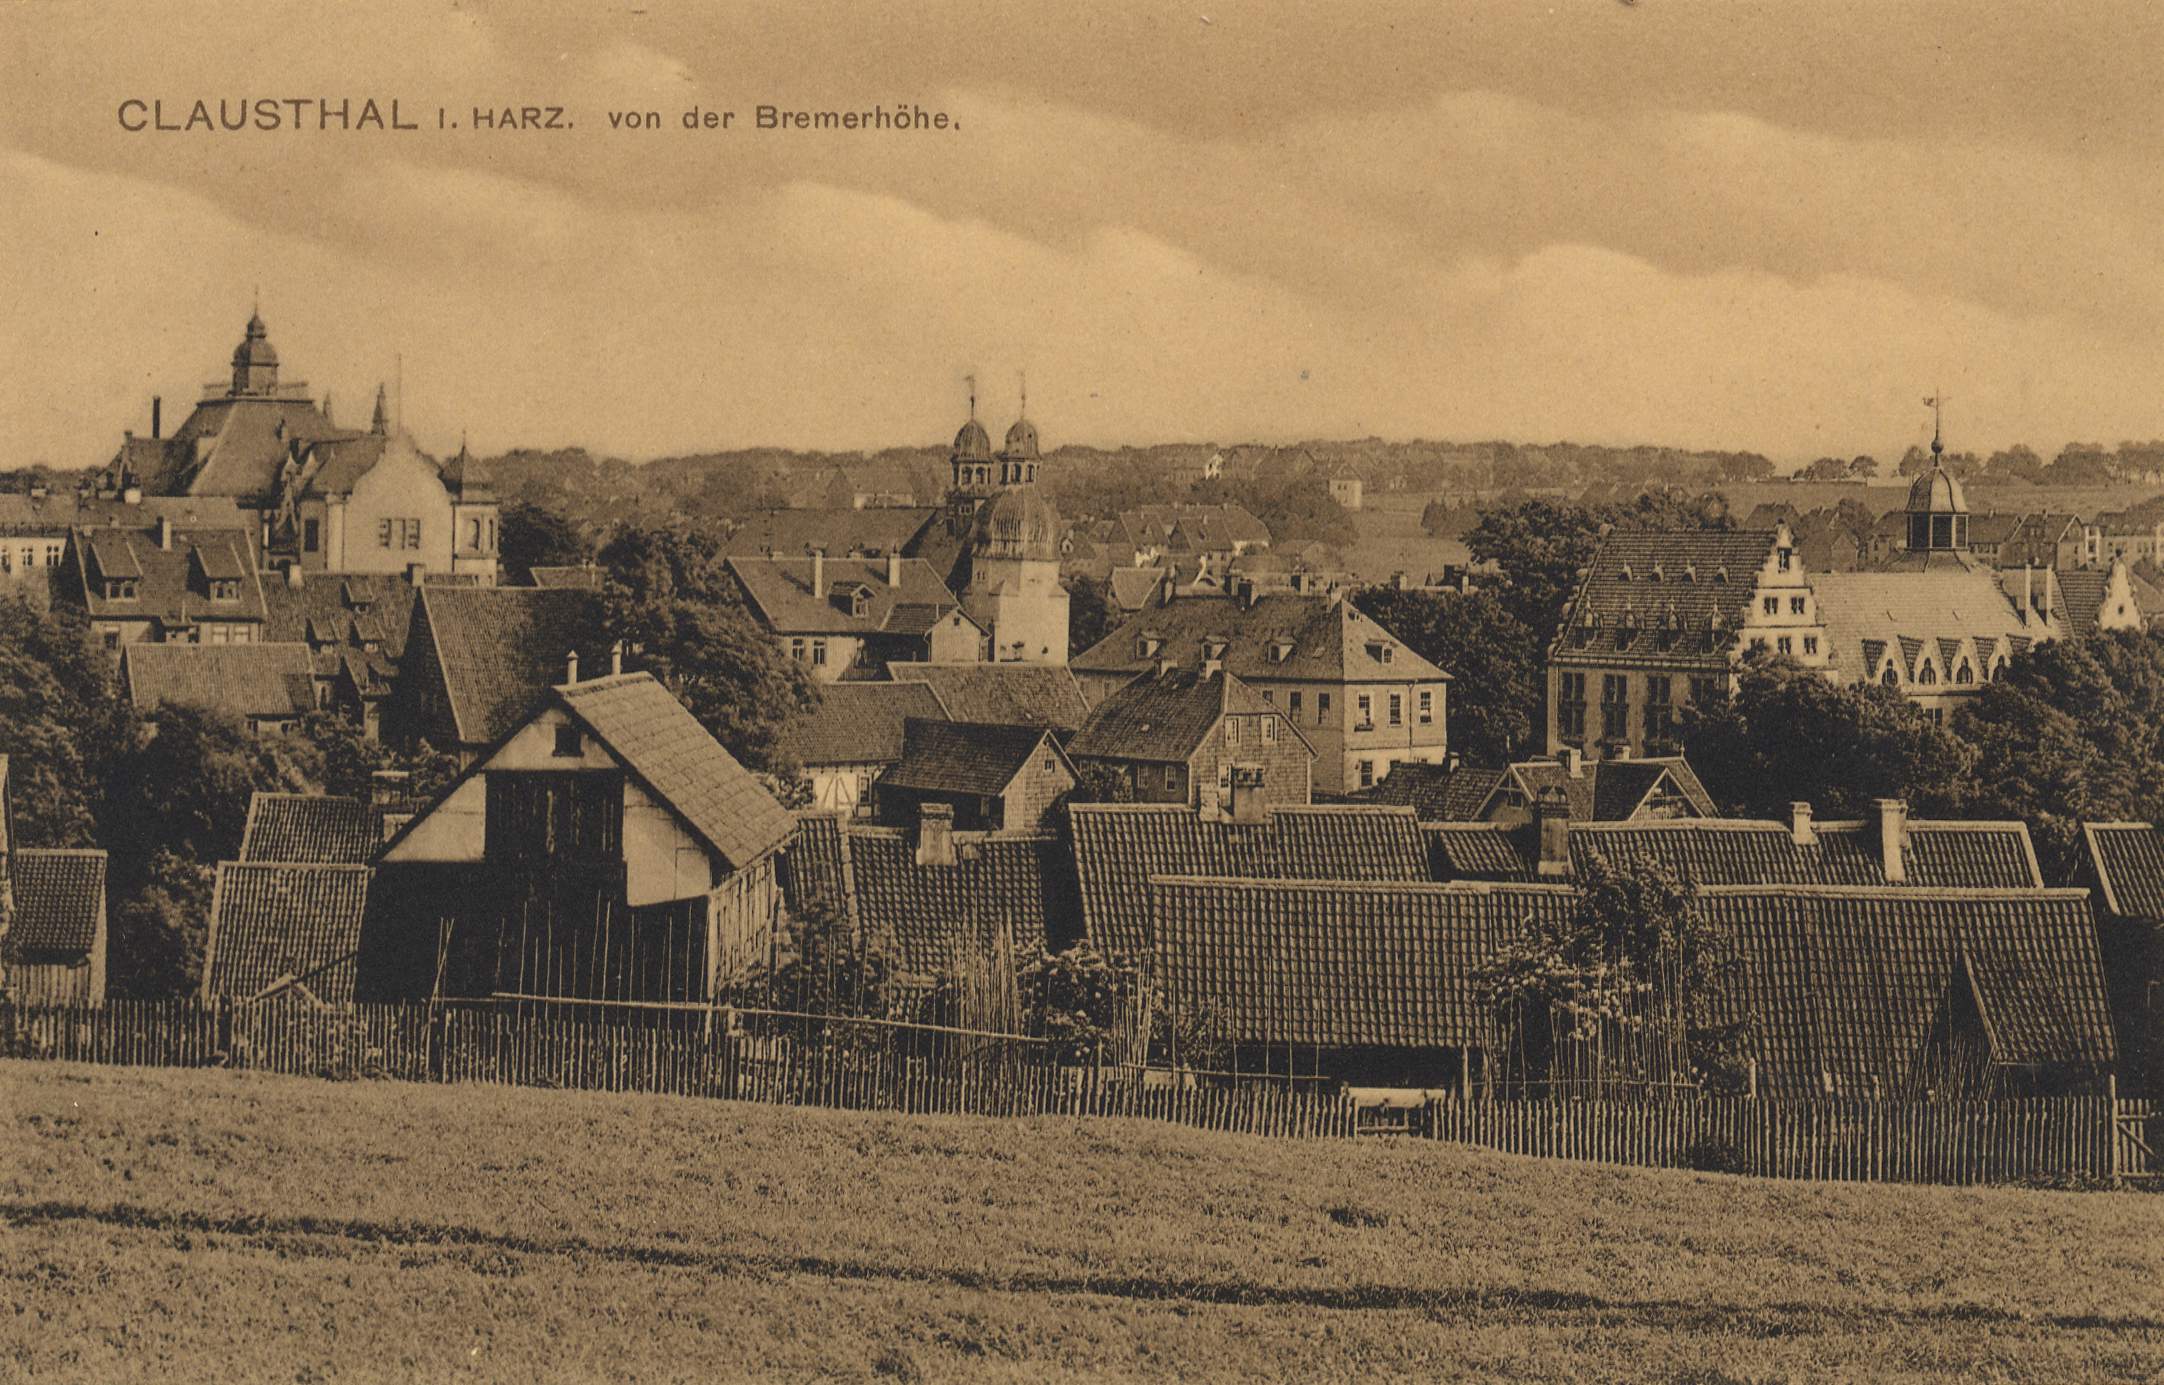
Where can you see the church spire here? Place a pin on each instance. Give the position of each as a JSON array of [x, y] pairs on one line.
[[381, 423]]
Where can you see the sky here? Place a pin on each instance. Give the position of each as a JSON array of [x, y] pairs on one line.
[[1764, 227]]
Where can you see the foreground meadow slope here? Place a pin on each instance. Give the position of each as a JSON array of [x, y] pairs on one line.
[[196, 1224]]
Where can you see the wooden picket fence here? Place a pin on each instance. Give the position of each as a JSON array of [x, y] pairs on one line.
[[2009, 1140], [919, 1069]]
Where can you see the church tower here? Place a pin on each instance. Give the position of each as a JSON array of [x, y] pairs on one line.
[[1014, 589], [255, 361], [1938, 512]]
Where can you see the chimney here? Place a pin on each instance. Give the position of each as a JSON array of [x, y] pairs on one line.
[[1572, 759], [131, 494], [571, 666], [1247, 801], [157, 417], [819, 572], [2028, 591], [894, 568], [2051, 592], [1893, 825], [1551, 817], [165, 532], [1621, 752], [616, 658], [293, 575], [935, 834], [1799, 824]]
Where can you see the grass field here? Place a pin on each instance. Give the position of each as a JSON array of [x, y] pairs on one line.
[[230, 1226]]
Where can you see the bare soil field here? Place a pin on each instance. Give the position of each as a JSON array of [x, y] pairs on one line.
[[214, 1225]]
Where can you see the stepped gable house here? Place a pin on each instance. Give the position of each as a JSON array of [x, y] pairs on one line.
[[52, 917], [1360, 697], [1662, 618], [606, 847], [324, 498], [847, 617], [1202, 740]]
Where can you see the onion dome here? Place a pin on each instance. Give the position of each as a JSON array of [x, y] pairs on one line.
[[972, 444], [1021, 440], [255, 348], [1937, 492], [1018, 523]]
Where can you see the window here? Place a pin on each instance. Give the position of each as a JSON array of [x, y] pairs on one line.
[[819, 653], [1963, 673], [1269, 730], [568, 741], [1570, 706], [1795, 605], [398, 533], [796, 648], [1366, 705], [1427, 706], [1172, 778], [1660, 708], [1292, 702], [1705, 692], [1615, 706], [1268, 695], [1930, 674], [1892, 677], [311, 535], [1397, 709], [1758, 641], [1232, 730], [1784, 558], [1322, 707], [1810, 644], [383, 533], [112, 639], [225, 589], [1367, 774], [1772, 605], [1785, 645]]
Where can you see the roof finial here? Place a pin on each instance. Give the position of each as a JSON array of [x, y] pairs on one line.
[[971, 381], [1935, 403], [1022, 381]]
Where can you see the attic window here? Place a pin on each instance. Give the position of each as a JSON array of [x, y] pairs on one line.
[[225, 589], [120, 588], [1656, 574], [1720, 574], [1147, 647], [1625, 574], [568, 740], [1690, 572], [1280, 651]]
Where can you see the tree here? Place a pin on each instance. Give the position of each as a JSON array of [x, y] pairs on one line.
[[1090, 616], [1303, 509], [668, 595], [531, 535], [2071, 732], [1540, 547], [1074, 999], [62, 720], [1497, 690], [347, 762], [2080, 464], [1789, 734], [1863, 467], [1825, 469], [159, 929], [1914, 462]]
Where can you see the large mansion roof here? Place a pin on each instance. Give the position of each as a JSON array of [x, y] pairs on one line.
[[1270, 638]]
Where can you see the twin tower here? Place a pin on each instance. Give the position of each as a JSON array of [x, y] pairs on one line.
[[1014, 537]]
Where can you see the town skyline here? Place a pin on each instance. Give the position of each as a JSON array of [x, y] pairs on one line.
[[1616, 225]]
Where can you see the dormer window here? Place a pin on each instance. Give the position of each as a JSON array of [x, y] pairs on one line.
[[1280, 651], [1720, 574], [1625, 574], [120, 588], [1690, 572], [224, 589], [1656, 574], [1147, 647]]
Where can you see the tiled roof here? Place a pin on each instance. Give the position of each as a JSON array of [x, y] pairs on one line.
[[1662, 591], [172, 584], [318, 828], [2128, 858], [1166, 717], [1135, 587], [2083, 591], [1850, 982], [59, 901], [856, 724], [502, 648], [1335, 964], [681, 762], [270, 921], [343, 614], [1481, 851], [1613, 790], [1200, 527], [1014, 694], [574, 575], [1118, 847], [965, 757], [243, 680], [229, 446], [779, 590], [1278, 636], [932, 915], [58, 512], [1937, 855], [1846, 983], [935, 915], [1912, 611], [1436, 793], [839, 532]]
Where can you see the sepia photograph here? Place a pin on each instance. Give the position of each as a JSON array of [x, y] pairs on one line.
[[992, 691]]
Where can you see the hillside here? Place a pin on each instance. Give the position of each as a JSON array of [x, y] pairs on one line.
[[213, 1224]]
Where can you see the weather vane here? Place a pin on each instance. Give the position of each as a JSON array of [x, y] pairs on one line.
[[1935, 403]]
